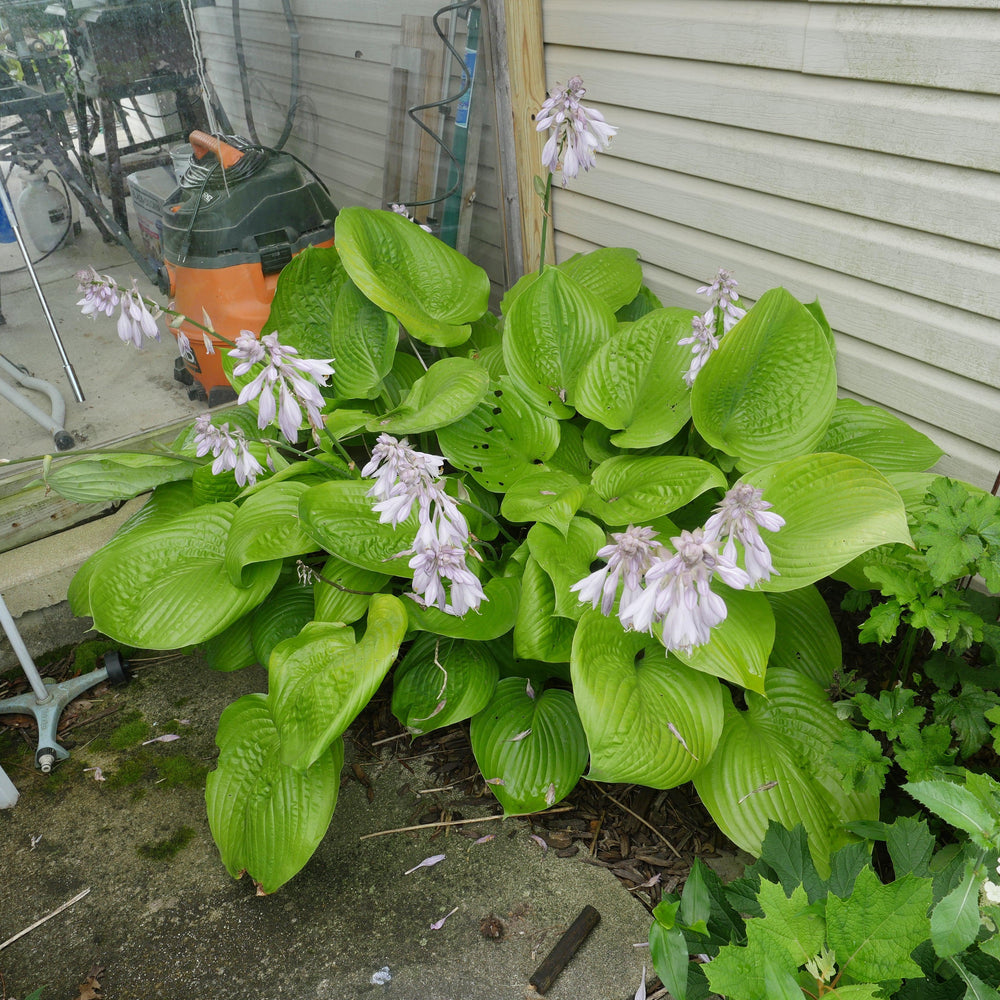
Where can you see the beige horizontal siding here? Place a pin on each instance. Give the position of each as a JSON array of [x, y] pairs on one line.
[[847, 151]]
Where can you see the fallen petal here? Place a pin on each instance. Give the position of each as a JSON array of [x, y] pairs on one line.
[[98, 773], [640, 993], [165, 738], [484, 840], [438, 924], [520, 736], [538, 840], [381, 977], [426, 863]]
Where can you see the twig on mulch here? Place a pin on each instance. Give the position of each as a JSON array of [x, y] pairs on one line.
[[644, 822], [48, 916], [454, 822]]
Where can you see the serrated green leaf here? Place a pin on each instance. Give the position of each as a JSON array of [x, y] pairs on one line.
[[789, 923], [955, 920], [534, 745], [786, 853], [552, 329], [878, 438], [434, 291], [874, 931], [501, 439], [845, 866], [451, 388], [630, 489], [955, 805], [634, 382], [165, 585], [751, 972], [835, 507], [805, 636], [648, 718], [441, 681], [770, 389], [976, 989], [363, 340], [266, 817], [320, 680], [911, 846]]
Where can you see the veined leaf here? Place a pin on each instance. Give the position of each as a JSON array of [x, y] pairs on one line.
[[955, 805], [363, 341], [740, 645], [347, 595], [441, 681], [771, 764], [501, 439], [534, 745], [630, 489], [634, 383], [116, 475], [649, 719], [540, 634], [283, 615], [552, 330], [546, 496], [165, 586], [232, 648], [769, 391], [322, 678], [434, 291], [494, 618], [955, 919], [266, 817], [266, 526], [451, 388], [566, 560], [339, 516], [805, 636], [878, 438], [835, 507]]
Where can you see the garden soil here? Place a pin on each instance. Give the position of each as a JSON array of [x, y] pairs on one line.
[[163, 919]]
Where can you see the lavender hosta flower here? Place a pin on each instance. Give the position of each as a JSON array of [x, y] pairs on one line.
[[723, 295], [629, 554], [401, 210], [677, 592], [100, 293], [230, 449], [703, 343], [739, 518], [435, 563], [136, 319], [285, 386], [576, 132]]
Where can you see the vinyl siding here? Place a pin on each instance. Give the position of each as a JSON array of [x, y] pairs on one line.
[[848, 151]]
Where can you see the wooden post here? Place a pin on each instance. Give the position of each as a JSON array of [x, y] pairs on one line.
[[525, 66]]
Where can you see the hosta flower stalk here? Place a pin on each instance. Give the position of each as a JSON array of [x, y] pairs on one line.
[[739, 518], [704, 337], [576, 132]]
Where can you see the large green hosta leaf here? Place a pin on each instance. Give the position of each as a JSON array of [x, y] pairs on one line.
[[548, 496], [769, 390], [322, 678], [878, 438], [363, 340], [286, 611], [566, 559], [771, 764], [166, 585], [835, 507], [635, 381], [539, 633], [266, 817], [266, 527], [649, 719], [451, 388], [629, 489], [116, 475], [441, 681], [552, 330], [345, 590], [806, 638], [495, 617], [433, 290], [339, 516], [533, 743], [501, 439], [740, 646], [304, 303]]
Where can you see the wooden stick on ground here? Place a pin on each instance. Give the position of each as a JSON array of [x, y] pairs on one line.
[[48, 916], [566, 947], [635, 815], [457, 822]]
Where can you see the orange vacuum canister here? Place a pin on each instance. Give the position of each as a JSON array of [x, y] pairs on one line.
[[240, 215]]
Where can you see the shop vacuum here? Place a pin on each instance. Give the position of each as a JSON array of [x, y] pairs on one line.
[[241, 213]]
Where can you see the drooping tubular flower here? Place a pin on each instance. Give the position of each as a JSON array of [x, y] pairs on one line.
[[401, 210], [101, 293], [704, 338], [677, 592], [285, 385], [404, 476], [629, 554], [576, 132], [738, 518], [229, 447]]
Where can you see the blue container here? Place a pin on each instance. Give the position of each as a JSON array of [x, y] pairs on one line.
[[6, 233]]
